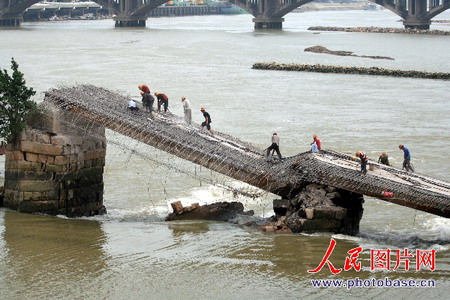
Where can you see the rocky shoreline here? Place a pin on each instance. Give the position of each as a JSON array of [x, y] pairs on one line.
[[350, 70], [379, 30], [321, 49]]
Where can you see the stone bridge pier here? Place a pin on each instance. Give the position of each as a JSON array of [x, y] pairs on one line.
[[56, 168]]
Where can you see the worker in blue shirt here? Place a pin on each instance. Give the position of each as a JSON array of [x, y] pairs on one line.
[[406, 158]]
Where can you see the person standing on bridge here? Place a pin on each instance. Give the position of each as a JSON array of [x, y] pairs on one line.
[[406, 158], [318, 143], [384, 159], [162, 100], [207, 122], [187, 110], [275, 145], [363, 158], [147, 98]]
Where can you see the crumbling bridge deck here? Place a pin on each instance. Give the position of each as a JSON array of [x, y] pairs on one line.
[[240, 160]]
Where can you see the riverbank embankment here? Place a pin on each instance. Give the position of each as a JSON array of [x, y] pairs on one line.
[[379, 30], [350, 70]]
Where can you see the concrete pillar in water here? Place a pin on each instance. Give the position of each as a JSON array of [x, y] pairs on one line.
[[268, 23], [11, 21], [128, 21], [55, 167]]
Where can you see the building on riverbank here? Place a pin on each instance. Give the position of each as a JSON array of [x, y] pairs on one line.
[[90, 10]]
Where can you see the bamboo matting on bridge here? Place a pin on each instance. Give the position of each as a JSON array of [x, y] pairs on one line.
[[240, 160]]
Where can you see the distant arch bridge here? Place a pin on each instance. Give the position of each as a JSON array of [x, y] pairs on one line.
[[267, 13]]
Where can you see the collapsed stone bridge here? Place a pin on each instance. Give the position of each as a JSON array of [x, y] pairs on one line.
[[57, 169]]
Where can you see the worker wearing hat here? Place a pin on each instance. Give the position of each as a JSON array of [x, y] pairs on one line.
[[187, 110], [317, 141], [207, 122], [147, 98], [363, 158], [162, 100], [384, 159]]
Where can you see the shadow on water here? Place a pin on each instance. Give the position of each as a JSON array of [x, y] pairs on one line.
[[180, 228]]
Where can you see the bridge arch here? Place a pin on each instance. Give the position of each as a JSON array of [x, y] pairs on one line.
[[416, 14], [11, 11], [267, 13]]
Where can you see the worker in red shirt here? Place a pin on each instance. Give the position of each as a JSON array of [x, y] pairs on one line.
[[162, 100], [363, 158], [317, 141]]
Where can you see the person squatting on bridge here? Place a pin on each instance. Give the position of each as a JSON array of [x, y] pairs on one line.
[[147, 98], [207, 122], [275, 145], [406, 158], [162, 100], [132, 105], [363, 158], [314, 147], [384, 159], [317, 142], [187, 110]]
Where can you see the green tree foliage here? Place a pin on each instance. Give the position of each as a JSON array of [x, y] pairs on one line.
[[15, 103]]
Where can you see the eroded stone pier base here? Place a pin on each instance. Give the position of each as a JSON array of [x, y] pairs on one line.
[[318, 208], [54, 168]]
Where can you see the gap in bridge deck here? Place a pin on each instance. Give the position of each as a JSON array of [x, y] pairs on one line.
[[149, 176]]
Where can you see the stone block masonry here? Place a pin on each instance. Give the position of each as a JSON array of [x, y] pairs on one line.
[[318, 208], [56, 169]]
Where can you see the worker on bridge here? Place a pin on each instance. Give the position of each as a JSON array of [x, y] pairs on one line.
[[187, 110], [363, 158], [406, 158], [207, 122], [162, 100], [384, 159], [147, 98], [275, 145], [132, 105], [317, 142]]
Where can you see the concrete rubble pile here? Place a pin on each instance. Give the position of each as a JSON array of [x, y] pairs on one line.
[[318, 208]]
